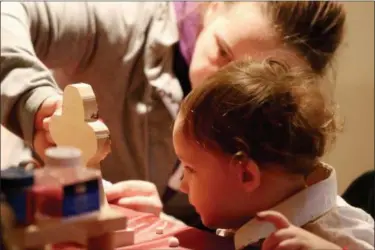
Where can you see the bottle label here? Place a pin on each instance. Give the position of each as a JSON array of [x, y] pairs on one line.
[[80, 198]]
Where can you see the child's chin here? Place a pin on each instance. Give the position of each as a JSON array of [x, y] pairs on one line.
[[210, 222]]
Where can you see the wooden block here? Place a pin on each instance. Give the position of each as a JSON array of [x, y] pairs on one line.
[[108, 220], [82, 230], [101, 242], [160, 229], [35, 236], [124, 237]]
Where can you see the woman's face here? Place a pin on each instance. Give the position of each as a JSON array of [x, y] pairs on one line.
[[231, 33]]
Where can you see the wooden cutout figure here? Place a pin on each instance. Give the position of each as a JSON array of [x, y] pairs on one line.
[[77, 125]]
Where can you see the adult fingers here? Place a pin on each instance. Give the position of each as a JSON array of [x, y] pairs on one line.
[[46, 109], [142, 204], [47, 119], [130, 188]]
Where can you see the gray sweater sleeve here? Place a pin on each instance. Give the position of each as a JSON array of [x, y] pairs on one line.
[[36, 36]]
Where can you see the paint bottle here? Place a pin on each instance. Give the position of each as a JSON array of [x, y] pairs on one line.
[[64, 187]]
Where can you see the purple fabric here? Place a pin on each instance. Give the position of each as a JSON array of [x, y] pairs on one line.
[[188, 21]]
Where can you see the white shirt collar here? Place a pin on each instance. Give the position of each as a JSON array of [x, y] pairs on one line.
[[303, 207]]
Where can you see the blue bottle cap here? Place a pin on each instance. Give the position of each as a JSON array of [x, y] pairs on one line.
[[15, 177]]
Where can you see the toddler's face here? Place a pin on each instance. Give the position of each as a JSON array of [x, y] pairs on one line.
[[213, 186]]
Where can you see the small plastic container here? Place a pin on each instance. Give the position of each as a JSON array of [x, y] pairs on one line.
[[64, 187], [16, 186]]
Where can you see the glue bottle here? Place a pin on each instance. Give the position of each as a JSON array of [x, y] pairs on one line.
[[65, 188]]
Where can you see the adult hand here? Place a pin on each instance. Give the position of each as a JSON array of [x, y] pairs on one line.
[[290, 237], [42, 137], [135, 194]]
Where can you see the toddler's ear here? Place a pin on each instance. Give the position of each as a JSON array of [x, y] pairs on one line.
[[251, 176], [248, 172]]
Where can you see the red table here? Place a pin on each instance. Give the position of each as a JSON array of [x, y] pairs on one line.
[[146, 237]]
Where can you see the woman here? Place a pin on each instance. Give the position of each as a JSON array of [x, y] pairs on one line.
[[141, 60]]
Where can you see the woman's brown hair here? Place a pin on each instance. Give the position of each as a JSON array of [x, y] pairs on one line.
[[269, 112], [314, 29]]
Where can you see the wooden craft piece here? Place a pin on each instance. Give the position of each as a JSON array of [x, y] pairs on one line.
[[77, 125], [94, 232], [125, 237]]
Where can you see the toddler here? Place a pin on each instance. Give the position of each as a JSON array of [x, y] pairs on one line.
[[251, 139]]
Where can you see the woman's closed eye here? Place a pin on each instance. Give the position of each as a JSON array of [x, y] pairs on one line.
[[222, 53], [188, 169], [223, 50]]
